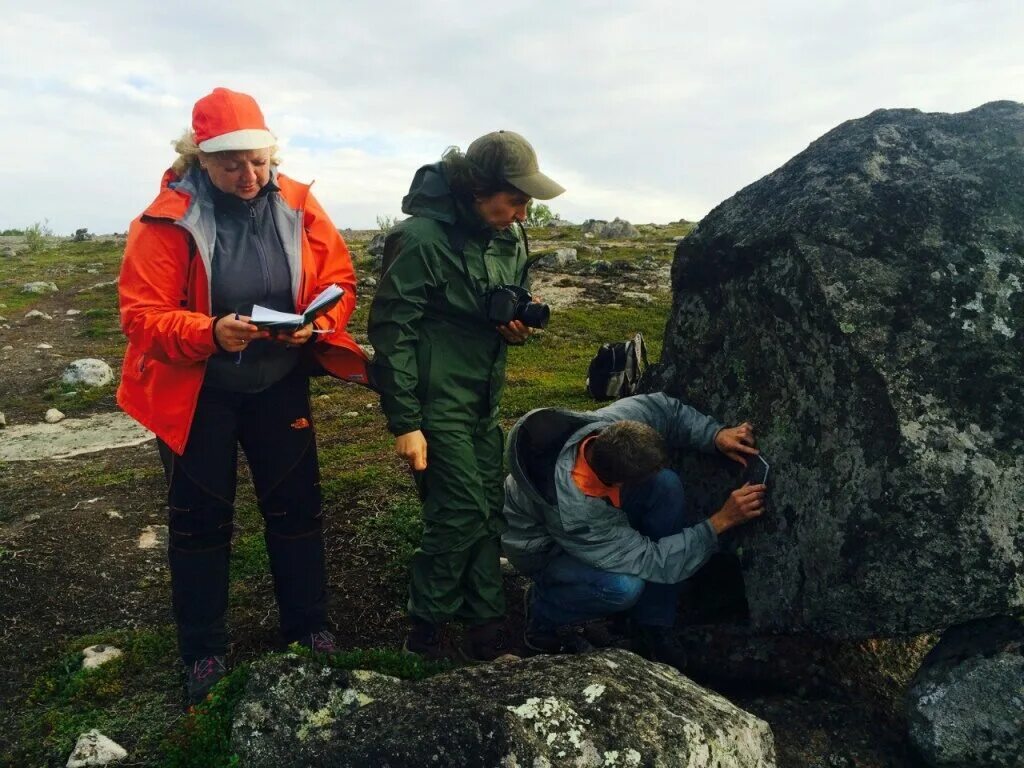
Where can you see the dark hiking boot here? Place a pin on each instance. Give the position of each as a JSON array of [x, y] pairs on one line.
[[427, 641], [486, 642], [608, 633], [201, 676], [320, 642], [659, 644], [561, 640]]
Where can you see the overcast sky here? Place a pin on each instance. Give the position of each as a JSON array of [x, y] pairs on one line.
[[644, 109]]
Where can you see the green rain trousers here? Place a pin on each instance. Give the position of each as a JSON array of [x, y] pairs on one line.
[[439, 366], [455, 572]]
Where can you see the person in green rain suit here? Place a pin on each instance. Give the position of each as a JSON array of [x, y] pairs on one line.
[[439, 366]]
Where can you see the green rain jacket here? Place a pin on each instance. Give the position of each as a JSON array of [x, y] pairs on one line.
[[438, 362]]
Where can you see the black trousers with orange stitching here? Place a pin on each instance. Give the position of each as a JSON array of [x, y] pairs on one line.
[[274, 428]]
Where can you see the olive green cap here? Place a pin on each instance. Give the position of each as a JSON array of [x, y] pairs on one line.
[[507, 155]]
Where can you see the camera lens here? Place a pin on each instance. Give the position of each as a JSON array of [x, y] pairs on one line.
[[535, 315]]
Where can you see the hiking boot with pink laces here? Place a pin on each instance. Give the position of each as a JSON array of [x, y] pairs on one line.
[[320, 642], [201, 676]]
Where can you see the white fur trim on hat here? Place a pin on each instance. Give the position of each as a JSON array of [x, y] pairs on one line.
[[247, 138]]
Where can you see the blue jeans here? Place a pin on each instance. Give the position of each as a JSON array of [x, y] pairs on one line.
[[568, 591]]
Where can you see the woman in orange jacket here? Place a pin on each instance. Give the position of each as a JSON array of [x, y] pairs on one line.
[[228, 232]]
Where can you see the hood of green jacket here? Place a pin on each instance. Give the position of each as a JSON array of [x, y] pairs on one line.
[[430, 196]]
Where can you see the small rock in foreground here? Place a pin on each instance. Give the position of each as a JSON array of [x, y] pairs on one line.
[[93, 748], [53, 416], [98, 655], [35, 314], [153, 536], [39, 287], [88, 372], [966, 703]]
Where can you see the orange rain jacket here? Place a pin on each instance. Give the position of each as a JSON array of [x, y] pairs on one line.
[[164, 290]]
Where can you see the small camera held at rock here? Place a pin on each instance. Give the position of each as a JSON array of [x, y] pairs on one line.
[[506, 303]]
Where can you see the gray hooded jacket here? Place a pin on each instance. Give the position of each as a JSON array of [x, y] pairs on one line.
[[548, 514]]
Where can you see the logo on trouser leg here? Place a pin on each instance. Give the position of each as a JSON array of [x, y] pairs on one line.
[[301, 423]]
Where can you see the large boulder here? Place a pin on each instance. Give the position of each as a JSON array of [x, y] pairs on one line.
[[602, 709], [965, 706], [862, 306]]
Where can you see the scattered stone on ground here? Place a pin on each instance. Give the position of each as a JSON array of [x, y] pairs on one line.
[[88, 372], [39, 287], [113, 514], [376, 246], [965, 706], [599, 709], [98, 286], [35, 314], [73, 312], [44, 345], [53, 416], [153, 536], [3, 420], [845, 304], [93, 749], [71, 437], [34, 517], [8, 347], [98, 655], [559, 258], [350, 414]]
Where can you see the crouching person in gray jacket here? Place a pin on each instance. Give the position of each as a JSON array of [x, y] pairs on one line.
[[600, 524]]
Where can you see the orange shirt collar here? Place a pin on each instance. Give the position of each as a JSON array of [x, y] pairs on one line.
[[588, 481]]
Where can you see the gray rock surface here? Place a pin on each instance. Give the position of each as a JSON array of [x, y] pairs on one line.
[[3, 420], [862, 306], [98, 655], [616, 229], [376, 246], [603, 709], [558, 258], [39, 287], [965, 706], [35, 314], [88, 372], [71, 437], [52, 416], [93, 748]]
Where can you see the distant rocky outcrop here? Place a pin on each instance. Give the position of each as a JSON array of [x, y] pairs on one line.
[[616, 229], [966, 704], [602, 709], [557, 258], [863, 307]]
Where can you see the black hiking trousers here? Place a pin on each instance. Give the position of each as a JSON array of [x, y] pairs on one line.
[[275, 429]]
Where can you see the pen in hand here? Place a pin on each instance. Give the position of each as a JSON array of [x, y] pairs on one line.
[[238, 360]]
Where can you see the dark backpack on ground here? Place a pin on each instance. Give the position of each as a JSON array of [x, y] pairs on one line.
[[616, 369]]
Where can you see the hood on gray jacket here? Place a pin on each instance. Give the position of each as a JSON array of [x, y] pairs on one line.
[[533, 447]]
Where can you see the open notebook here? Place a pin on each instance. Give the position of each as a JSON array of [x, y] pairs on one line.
[[273, 320]]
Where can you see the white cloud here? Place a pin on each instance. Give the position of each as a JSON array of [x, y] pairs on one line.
[[651, 110]]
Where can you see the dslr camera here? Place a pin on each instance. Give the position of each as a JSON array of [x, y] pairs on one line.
[[506, 303]]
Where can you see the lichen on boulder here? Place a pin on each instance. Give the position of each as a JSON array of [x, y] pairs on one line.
[[602, 709], [862, 306]]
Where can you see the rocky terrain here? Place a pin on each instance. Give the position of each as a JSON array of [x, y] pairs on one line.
[[861, 305]]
